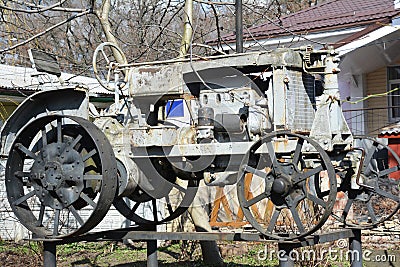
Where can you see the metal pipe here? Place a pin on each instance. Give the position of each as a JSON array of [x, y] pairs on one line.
[[187, 28], [239, 26]]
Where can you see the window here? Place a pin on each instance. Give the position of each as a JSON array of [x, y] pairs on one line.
[[174, 108], [394, 99]]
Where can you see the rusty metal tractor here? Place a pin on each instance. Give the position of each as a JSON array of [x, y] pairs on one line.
[[269, 122]]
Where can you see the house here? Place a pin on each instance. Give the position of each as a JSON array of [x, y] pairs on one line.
[[16, 83], [366, 34]]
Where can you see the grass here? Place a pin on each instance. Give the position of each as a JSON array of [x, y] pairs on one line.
[[183, 253], [170, 254]]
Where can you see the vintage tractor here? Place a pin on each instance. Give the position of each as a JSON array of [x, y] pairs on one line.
[[269, 122]]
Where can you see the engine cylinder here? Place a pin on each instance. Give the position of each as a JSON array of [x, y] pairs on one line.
[[206, 116]]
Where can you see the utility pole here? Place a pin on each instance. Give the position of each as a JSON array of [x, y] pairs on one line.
[[239, 26]]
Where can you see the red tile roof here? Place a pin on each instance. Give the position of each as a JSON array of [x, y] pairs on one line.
[[328, 15]]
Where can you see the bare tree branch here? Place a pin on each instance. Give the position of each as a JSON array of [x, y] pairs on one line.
[[40, 8], [215, 2], [217, 26], [46, 31], [103, 16]]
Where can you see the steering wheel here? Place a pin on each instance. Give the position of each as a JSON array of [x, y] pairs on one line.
[[107, 59]]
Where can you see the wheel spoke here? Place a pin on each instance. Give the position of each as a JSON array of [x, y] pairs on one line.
[[154, 204], [346, 209], [316, 200], [88, 200], [25, 150], [23, 198], [180, 188], [383, 193], [41, 215], [297, 152], [297, 219], [92, 177], [272, 155], [21, 174], [75, 142], [254, 200], [133, 210], [56, 222], [368, 157], [89, 155], [105, 57], [259, 173], [388, 171], [371, 212], [273, 221], [169, 206], [44, 137], [76, 215], [303, 176], [59, 133]]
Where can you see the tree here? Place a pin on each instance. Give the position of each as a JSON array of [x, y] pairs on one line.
[[145, 29]]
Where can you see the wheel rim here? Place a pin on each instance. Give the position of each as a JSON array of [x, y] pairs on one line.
[[175, 202], [296, 200], [378, 196], [60, 176]]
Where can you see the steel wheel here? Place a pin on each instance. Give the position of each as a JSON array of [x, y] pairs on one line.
[[142, 208], [60, 176], [374, 197], [291, 186]]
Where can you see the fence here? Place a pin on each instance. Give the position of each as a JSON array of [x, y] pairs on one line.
[[370, 121]]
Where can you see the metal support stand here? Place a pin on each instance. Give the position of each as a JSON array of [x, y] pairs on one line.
[[152, 253], [355, 248], [151, 236], [285, 260], [152, 260], [49, 254]]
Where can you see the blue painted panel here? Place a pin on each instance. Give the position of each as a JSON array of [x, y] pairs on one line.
[[174, 108]]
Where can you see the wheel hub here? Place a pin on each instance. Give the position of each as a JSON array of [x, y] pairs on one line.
[[282, 183], [58, 175], [51, 178], [280, 186]]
